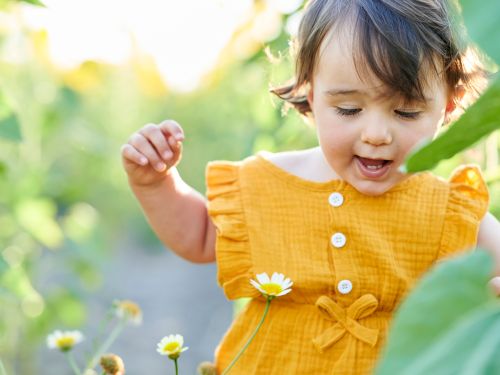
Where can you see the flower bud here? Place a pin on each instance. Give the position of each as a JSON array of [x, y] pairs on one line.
[[206, 368], [112, 364]]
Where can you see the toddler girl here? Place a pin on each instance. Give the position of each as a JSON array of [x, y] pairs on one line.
[[342, 220]]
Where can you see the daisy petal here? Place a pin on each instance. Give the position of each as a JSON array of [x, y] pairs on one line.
[[286, 291], [263, 278], [287, 284], [278, 278], [255, 284]]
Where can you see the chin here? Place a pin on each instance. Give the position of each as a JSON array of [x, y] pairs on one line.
[[372, 188]]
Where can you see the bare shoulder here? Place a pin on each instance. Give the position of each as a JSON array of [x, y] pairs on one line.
[[308, 164], [290, 161]]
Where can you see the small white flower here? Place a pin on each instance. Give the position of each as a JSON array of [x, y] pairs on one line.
[[129, 311], [172, 346], [276, 286], [64, 340]]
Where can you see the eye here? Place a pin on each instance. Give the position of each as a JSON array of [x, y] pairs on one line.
[[407, 115], [347, 111]]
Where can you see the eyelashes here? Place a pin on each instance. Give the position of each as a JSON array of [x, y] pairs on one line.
[[408, 115], [405, 115], [347, 111]]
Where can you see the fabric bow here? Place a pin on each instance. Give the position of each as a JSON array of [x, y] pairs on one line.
[[346, 321]]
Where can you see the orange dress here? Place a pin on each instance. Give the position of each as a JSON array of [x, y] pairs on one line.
[[352, 259]]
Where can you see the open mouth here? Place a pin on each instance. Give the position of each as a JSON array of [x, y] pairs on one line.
[[373, 168]]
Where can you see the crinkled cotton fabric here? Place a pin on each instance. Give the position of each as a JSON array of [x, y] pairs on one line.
[[352, 259]]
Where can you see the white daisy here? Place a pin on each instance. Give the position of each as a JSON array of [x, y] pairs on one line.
[[172, 346], [64, 340], [276, 286]]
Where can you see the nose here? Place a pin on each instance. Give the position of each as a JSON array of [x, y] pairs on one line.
[[376, 133]]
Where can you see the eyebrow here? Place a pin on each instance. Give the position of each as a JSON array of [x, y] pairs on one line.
[[340, 92], [344, 92]]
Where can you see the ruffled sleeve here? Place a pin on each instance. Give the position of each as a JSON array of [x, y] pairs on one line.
[[467, 204], [225, 207]]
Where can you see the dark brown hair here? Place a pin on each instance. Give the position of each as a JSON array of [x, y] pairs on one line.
[[393, 40]]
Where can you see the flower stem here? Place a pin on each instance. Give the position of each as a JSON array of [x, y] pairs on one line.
[[72, 363], [176, 367], [268, 303], [105, 346]]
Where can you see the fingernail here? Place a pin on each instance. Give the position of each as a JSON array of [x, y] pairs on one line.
[[160, 167], [143, 161], [179, 137]]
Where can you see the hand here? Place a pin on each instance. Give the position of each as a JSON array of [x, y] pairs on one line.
[[151, 152]]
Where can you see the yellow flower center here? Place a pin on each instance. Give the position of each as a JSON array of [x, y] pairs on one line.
[[65, 343], [272, 289], [130, 308], [171, 347]]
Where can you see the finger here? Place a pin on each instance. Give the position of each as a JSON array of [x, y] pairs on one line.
[[131, 154], [143, 146], [174, 144], [156, 137], [171, 127]]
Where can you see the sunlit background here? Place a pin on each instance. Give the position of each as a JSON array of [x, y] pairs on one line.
[[184, 40], [80, 77]]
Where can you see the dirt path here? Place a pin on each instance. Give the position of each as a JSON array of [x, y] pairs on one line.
[[175, 296]]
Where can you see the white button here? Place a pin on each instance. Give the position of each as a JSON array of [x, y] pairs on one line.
[[338, 240], [344, 286], [336, 199]]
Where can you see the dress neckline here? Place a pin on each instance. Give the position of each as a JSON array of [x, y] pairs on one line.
[[331, 185]]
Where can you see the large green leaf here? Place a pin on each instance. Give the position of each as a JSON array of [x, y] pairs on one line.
[[481, 20], [479, 120], [472, 347], [10, 129], [4, 4], [450, 301], [34, 2]]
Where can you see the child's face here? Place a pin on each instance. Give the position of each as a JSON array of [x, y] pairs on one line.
[[364, 135]]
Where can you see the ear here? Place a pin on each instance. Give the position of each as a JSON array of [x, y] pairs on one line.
[[454, 98], [310, 96]]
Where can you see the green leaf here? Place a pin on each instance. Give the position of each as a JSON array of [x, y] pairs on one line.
[[33, 2], [470, 348], [439, 304], [479, 120], [10, 129], [481, 20]]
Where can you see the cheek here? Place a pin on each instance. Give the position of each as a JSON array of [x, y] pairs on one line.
[[413, 137], [335, 139]]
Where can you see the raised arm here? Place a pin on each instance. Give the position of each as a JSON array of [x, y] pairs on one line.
[[176, 212]]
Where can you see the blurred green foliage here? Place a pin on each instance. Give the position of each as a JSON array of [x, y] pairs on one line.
[[60, 138]]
